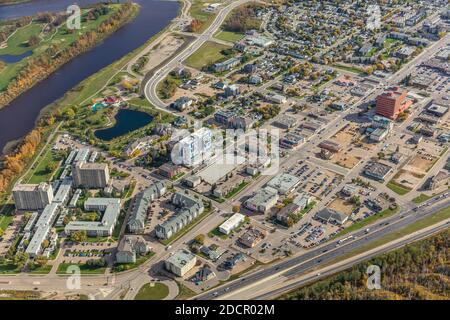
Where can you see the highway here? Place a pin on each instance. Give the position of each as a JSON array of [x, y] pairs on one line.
[[331, 250]]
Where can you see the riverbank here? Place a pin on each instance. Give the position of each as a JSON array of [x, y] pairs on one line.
[[12, 2], [42, 65]]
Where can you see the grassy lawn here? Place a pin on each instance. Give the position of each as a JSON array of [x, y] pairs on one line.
[[196, 12], [308, 207], [360, 224], [41, 172], [229, 36], [207, 54], [421, 198], [184, 292], [5, 221], [8, 268], [397, 188], [84, 268], [127, 266], [42, 270], [349, 69], [152, 291], [186, 229], [236, 190]]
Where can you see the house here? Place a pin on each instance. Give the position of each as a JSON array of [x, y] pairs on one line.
[[232, 91], [182, 103], [255, 79], [192, 181], [168, 170], [129, 248]]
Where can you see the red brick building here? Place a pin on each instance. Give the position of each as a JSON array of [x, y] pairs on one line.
[[392, 102]]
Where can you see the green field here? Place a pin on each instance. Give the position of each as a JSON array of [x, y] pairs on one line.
[[229, 36], [5, 221], [349, 69], [84, 269], [42, 173], [421, 198], [196, 12], [45, 269], [397, 188], [207, 54], [152, 291]]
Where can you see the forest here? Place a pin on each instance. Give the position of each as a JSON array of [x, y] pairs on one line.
[[419, 271]]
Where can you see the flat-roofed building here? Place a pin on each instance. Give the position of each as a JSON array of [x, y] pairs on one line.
[[437, 110], [330, 215], [42, 229], [377, 171], [181, 262], [32, 196], [110, 207], [251, 237], [262, 200], [438, 180], [284, 183], [90, 175], [392, 102], [232, 223], [330, 146]]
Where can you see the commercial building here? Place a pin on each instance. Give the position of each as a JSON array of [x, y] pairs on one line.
[[141, 204], [168, 170], [379, 134], [330, 146], [377, 171], [263, 200], [181, 262], [285, 122], [192, 181], [284, 183], [130, 247], [90, 175], [302, 200], [392, 102], [437, 110], [193, 149], [438, 180], [188, 209], [32, 196], [285, 213], [251, 237], [332, 216], [111, 210], [231, 223]]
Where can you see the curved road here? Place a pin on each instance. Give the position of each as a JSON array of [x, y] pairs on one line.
[[159, 75]]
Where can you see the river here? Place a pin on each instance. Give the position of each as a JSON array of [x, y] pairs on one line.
[[19, 118]]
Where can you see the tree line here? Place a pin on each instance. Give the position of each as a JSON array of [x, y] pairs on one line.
[[41, 66]]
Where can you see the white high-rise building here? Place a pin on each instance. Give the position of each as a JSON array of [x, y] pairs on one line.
[[193, 149]]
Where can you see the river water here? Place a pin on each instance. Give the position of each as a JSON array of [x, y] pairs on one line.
[[18, 118]]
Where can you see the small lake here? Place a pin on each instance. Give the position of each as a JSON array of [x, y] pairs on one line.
[[9, 58], [126, 121]]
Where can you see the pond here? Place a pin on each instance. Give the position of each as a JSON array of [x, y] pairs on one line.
[[126, 122], [9, 58]]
